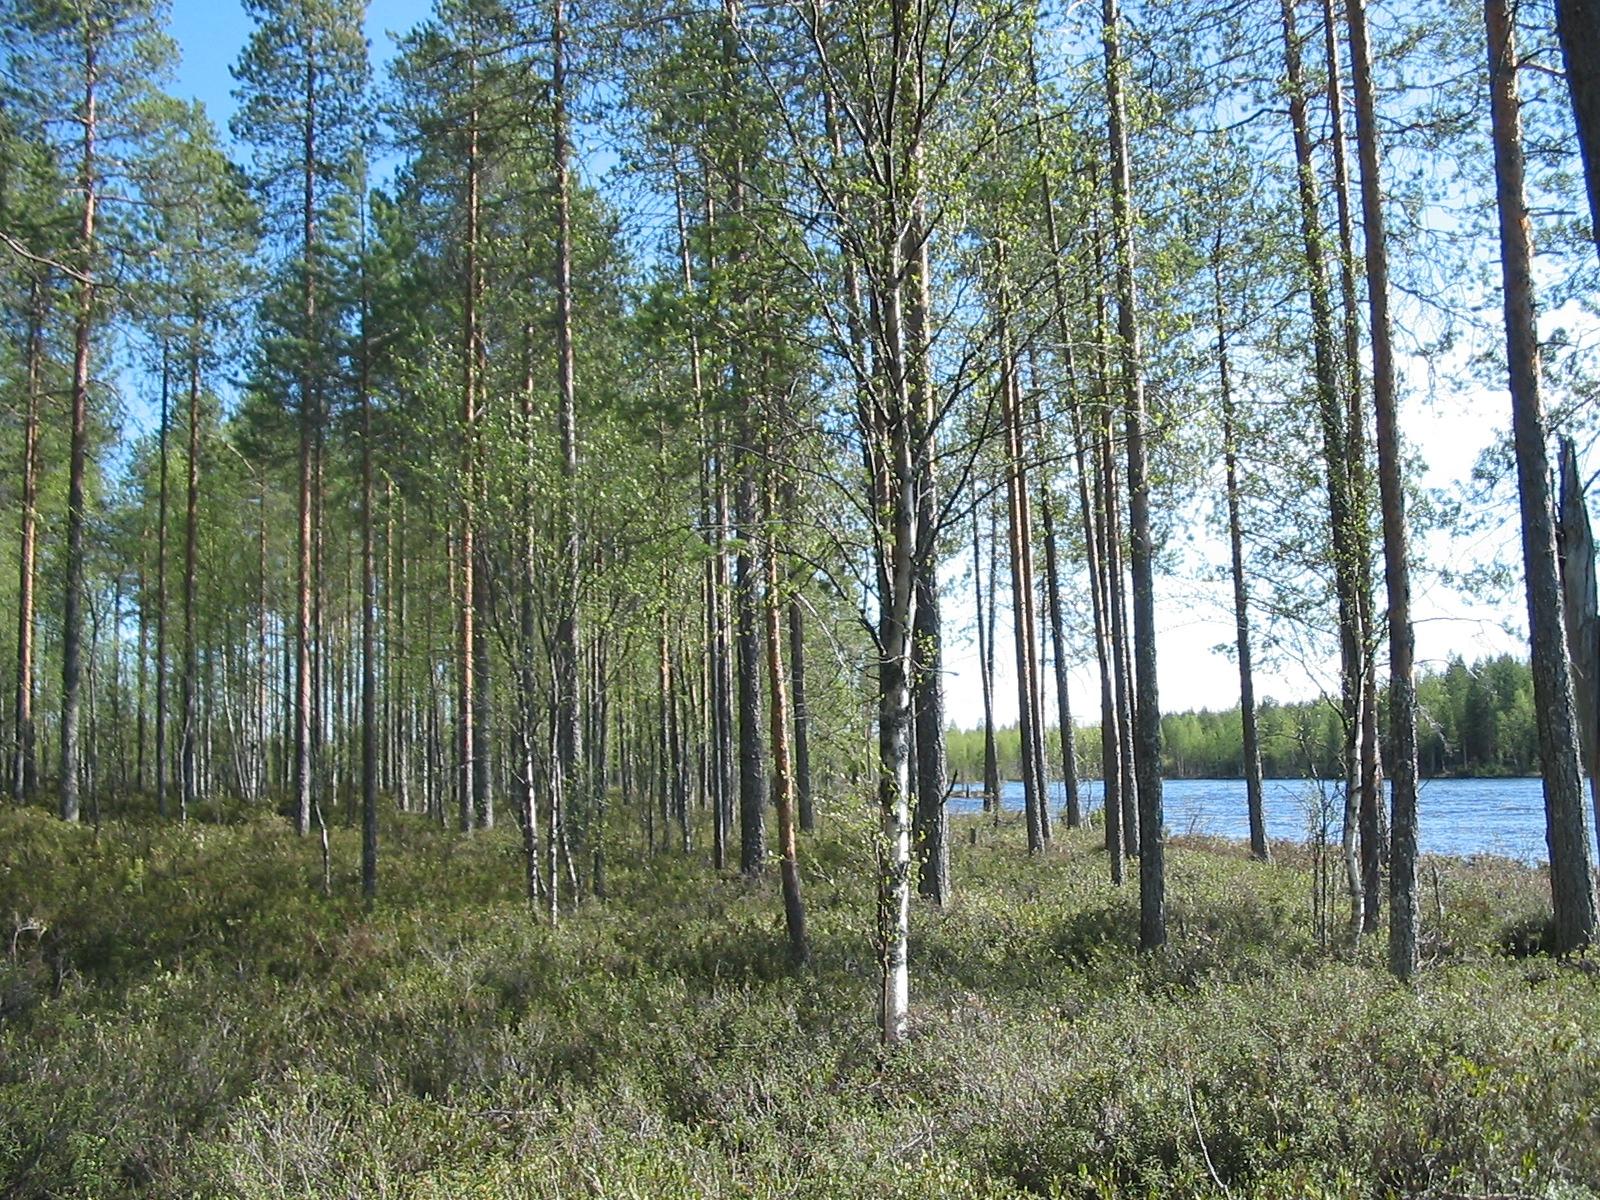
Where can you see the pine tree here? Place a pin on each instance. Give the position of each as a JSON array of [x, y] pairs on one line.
[[302, 83], [89, 71]]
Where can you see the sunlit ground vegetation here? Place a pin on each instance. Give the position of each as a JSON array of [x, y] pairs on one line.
[[184, 1013]]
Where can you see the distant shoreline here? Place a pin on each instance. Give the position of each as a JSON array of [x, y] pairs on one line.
[[966, 788]]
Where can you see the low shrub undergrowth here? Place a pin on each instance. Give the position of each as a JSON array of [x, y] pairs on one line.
[[183, 1013]]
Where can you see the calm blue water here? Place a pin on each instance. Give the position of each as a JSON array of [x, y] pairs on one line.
[[1455, 816]]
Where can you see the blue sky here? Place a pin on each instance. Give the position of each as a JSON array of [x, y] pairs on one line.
[[211, 33]]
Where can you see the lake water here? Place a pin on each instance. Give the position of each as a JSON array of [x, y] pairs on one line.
[[1454, 816]]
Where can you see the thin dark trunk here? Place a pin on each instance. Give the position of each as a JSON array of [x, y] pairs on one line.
[[189, 783], [1259, 847], [389, 694], [717, 767], [746, 603], [483, 690], [308, 424], [564, 674], [1360, 486], [985, 610], [405, 727], [1108, 514], [1147, 708], [679, 731], [263, 678], [23, 762], [1333, 419], [1069, 766], [932, 821], [1121, 665], [77, 518], [666, 739], [1022, 625], [1090, 509], [1391, 493], [602, 749], [140, 781], [1571, 883], [319, 642], [467, 738], [1581, 611], [722, 641], [529, 706], [797, 682], [783, 784], [931, 824], [1058, 643], [369, 605]]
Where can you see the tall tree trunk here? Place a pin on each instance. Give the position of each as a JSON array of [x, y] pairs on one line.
[[396, 697], [402, 643], [896, 571], [1391, 494], [1575, 543], [1251, 739], [1058, 642], [1571, 883], [722, 659], [319, 642], [23, 762], [263, 677], [783, 783], [797, 682], [1108, 513], [1025, 414], [569, 749], [1360, 488], [72, 631], [1022, 620], [118, 743], [894, 787], [483, 757], [718, 767], [1069, 767], [1335, 450], [931, 824], [718, 713], [746, 603], [308, 424], [467, 738], [557, 777], [1578, 27], [388, 701], [369, 599], [1090, 509], [602, 749], [666, 739], [529, 709], [1121, 664], [140, 778], [1147, 708], [991, 765], [189, 783]]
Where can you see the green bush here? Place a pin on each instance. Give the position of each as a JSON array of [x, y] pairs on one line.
[[182, 1013]]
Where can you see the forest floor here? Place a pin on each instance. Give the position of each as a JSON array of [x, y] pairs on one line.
[[183, 1013]]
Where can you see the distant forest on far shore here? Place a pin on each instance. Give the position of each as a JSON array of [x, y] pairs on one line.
[[1472, 720]]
